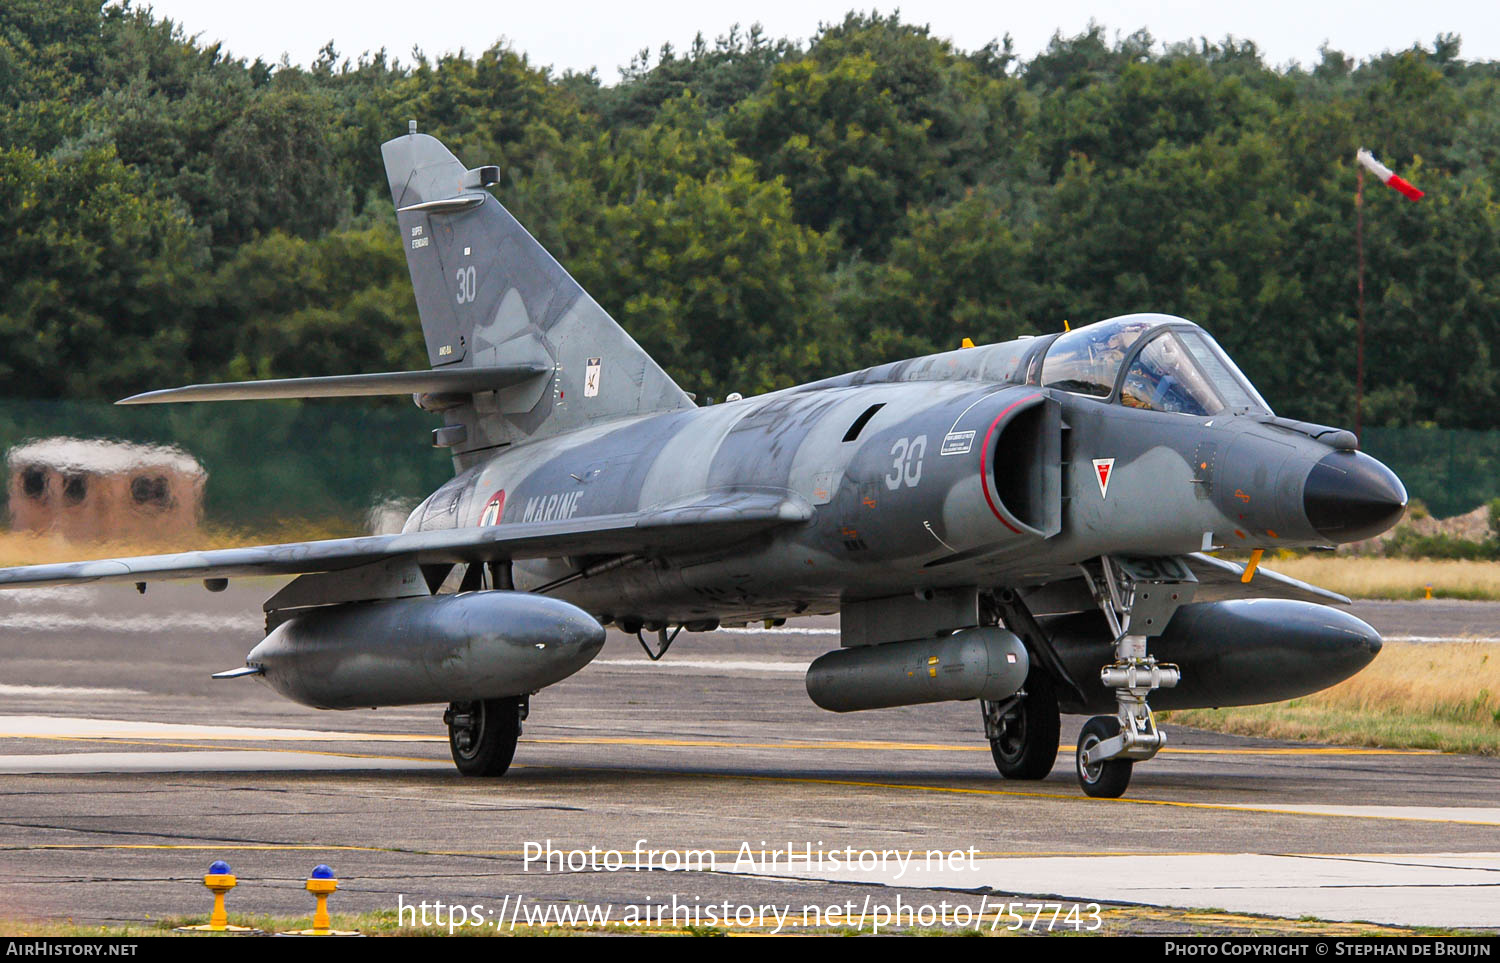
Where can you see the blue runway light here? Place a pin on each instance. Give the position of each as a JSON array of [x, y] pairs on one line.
[[220, 880], [322, 884]]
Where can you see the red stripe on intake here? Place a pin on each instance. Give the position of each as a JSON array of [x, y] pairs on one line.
[[984, 472]]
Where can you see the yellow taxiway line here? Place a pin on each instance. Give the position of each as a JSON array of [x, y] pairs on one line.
[[299, 847], [942, 747], [1124, 800], [148, 738], [852, 783]]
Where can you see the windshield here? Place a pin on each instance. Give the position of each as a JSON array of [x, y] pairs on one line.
[[1178, 367], [1163, 379], [1236, 390], [1184, 371], [1087, 361]]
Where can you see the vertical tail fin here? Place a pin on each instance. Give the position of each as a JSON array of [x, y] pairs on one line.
[[489, 294]]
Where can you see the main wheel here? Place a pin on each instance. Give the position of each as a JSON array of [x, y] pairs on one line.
[[1027, 745], [1107, 779], [482, 735]]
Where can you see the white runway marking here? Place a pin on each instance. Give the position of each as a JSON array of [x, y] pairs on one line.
[[1441, 638], [730, 666], [1427, 889], [189, 621], [65, 690], [783, 630], [206, 760], [28, 727], [51, 595], [804, 630], [1459, 814]]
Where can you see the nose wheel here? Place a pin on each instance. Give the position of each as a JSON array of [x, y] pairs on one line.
[[482, 735], [1108, 778]]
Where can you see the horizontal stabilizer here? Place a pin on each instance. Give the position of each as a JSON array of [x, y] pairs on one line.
[[459, 381], [711, 520], [446, 205]]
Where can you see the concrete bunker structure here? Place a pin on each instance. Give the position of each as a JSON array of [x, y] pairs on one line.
[[97, 489]]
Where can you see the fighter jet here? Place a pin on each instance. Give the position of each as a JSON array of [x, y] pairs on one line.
[[1023, 524]]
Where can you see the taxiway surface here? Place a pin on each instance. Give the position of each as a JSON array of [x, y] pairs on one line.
[[124, 771]]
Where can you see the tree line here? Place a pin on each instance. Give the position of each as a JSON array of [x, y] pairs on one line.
[[757, 212]]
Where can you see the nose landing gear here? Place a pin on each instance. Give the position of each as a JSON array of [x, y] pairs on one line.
[[1138, 597], [1106, 779]]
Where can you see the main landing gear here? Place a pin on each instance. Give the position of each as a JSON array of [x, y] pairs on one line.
[[1138, 596], [1023, 730], [482, 735]]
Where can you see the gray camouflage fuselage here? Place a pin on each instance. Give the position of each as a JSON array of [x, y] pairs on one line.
[[962, 476]]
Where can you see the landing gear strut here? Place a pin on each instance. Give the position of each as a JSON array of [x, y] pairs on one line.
[[1023, 730], [1138, 597], [482, 735]]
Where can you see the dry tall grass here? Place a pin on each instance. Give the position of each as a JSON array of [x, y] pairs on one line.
[[1394, 578], [1413, 696]]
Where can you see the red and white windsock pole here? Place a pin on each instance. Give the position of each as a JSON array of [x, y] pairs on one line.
[[1367, 162], [1387, 176]]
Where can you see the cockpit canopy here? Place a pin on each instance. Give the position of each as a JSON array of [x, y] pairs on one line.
[[1151, 361]]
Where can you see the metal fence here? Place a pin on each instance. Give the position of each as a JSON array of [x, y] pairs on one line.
[[270, 462], [333, 461], [1452, 471]]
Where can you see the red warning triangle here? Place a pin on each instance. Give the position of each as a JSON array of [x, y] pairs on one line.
[[1103, 467]]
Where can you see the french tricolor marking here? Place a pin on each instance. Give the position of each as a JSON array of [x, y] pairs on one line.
[[493, 509]]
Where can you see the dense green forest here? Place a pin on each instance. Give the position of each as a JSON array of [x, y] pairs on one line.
[[756, 211]]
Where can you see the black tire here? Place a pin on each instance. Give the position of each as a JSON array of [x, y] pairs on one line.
[[487, 743], [1104, 780], [1027, 749]]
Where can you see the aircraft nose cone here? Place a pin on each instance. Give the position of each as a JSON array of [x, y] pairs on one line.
[[1350, 496]]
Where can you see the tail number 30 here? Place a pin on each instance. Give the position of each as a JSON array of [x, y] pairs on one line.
[[466, 287], [907, 467]]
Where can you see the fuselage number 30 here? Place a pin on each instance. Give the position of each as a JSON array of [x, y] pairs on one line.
[[907, 468]]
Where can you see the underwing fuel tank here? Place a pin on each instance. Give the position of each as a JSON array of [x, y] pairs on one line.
[[980, 663], [1232, 653], [442, 648]]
